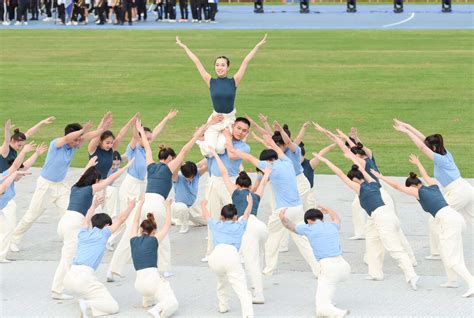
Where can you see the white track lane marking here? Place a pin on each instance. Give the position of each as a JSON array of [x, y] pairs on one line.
[[403, 21]]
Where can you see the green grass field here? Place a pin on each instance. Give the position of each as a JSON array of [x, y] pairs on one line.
[[338, 78]]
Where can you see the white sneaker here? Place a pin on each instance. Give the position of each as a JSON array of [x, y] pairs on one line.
[[25, 23], [69, 23], [6, 23], [184, 231], [449, 284], [61, 296], [17, 23], [223, 309], [283, 250], [14, 247], [213, 22], [413, 282], [84, 306], [75, 23], [110, 246], [5, 261], [167, 274], [155, 311], [357, 237], [368, 277], [110, 277], [204, 259], [47, 19], [469, 293], [258, 298], [433, 257]]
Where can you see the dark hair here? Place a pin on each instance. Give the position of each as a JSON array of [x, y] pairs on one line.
[[18, 135], [189, 169], [146, 129], [436, 141], [165, 152], [88, 178], [356, 150], [287, 130], [303, 151], [117, 156], [223, 57], [412, 180], [72, 128], [259, 171], [278, 139], [313, 215], [268, 154], [149, 224], [355, 173], [228, 211], [357, 143], [243, 180], [100, 220], [106, 134], [242, 120]]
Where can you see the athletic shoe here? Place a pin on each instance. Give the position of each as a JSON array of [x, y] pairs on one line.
[[110, 246], [14, 247], [155, 311], [74, 23], [25, 23], [449, 284], [69, 23], [433, 257], [258, 298], [61, 296], [47, 19], [5, 261], [213, 22], [184, 231], [469, 293], [6, 23], [283, 250], [413, 282], [357, 237], [17, 23], [223, 309], [204, 259], [110, 277], [172, 21], [84, 307], [368, 277], [167, 274]]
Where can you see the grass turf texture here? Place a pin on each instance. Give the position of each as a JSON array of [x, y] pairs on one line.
[[337, 78]]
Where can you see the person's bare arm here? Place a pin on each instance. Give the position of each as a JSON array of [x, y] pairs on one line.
[[334, 217], [202, 71], [286, 139], [33, 130], [166, 227], [157, 130], [5, 147], [136, 219], [264, 120], [175, 164], [40, 149], [249, 207], [73, 136], [254, 125], [394, 184], [124, 130], [267, 139], [105, 122], [7, 181], [416, 161], [123, 215], [300, 136], [204, 211], [415, 131], [417, 141], [99, 186], [90, 213], [315, 161], [145, 142], [231, 187], [21, 157], [243, 67], [353, 185], [286, 222], [261, 187]]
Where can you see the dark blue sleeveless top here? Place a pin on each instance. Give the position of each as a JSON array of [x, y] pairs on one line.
[[223, 92], [239, 199], [370, 197], [431, 199], [104, 161], [160, 179], [308, 171], [370, 164], [80, 199], [144, 251], [6, 162]]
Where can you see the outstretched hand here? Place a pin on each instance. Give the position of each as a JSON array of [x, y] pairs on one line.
[[414, 160]]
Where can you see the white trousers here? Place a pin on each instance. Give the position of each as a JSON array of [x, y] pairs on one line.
[[57, 192], [451, 224], [252, 248], [155, 288], [214, 137], [81, 281], [68, 229], [276, 232], [7, 225], [110, 204], [332, 271], [225, 262], [184, 214], [131, 187], [383, 233], [217, 196]]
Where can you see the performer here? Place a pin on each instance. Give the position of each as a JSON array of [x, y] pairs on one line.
[[144, 245], [449, 221], [223, 91], [326, 245]]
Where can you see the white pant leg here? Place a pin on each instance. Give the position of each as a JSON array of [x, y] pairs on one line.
[[213, 136], [68, 229], [60, 196], [225, 262], [451, 225], [217, 196], [388, 227], [7, 226], [358, 218], [375, 250], [109, 205], [333, 271], [255, 236], [81, 281], [195, 214], [179, 210], [460, 196], [433, 230], [311, 198], [304, 189]]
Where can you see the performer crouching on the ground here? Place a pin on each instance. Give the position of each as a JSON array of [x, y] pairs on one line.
[[449, 222], [325, 242], [80, 280], [224, 260], [144, 244], [256, 234]]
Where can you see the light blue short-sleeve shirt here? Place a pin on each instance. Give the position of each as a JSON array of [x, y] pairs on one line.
[[91, 246], [138, 168], [57, 161], [445, 169], [186, 191], [232, 166], [295, 158], [283, 181], [9, 194], [323, 237], [227, 232]]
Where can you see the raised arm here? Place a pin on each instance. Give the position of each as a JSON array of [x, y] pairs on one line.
[[124, 130], [74, 135], [254, 125], [416, 161], [21, 157], [354, 134], [415, 131], [334, 217], [204, 211], [286, 139], [6, 182], [90, 213], [166, 227], [202, 71], [40, 149], [353, 185], [157, 130], [269, 143], [99, 186], [300, 136], [175, 164], [361, 163], [261, 187], [315, 161], [138, 214], [286, 222], [30, 132], [243, 67], [105, 122], [5, 147], [394, 184], [266, 125], [249, 207], [145, 142], [225, 176], [123, 215], [417, 141]]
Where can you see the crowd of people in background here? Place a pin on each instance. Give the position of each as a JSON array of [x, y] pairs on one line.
[[117, 12]]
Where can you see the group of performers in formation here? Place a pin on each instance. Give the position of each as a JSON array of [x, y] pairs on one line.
[[90, 223], [125, 11]]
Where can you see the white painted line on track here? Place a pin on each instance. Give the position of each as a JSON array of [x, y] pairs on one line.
[[400, 22]]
